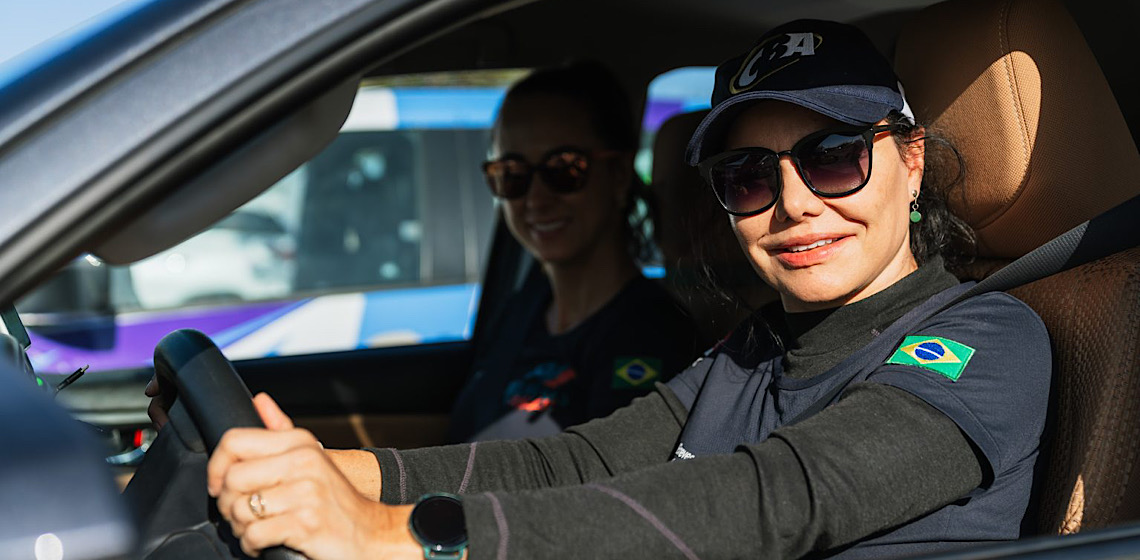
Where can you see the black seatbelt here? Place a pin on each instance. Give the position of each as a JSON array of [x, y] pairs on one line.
[[534, 298], [1111, 232], [510, 329], [505, 264]]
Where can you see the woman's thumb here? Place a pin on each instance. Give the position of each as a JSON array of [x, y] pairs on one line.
[[271, 414]]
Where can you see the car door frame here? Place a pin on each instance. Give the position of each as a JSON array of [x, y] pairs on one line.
[[257, 62]]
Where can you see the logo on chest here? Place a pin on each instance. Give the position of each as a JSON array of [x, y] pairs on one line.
[[635, 372], [538, 390]]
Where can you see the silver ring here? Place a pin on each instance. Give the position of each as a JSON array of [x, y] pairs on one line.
[[257, 505]]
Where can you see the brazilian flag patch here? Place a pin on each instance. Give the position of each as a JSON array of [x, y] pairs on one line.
[[940, 355], [635, 372]]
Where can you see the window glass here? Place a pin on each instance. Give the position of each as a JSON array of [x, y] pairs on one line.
[[677, 91], [379, 240]]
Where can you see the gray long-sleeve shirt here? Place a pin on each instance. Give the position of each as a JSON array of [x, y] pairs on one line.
[[868, 465], [606, 488]]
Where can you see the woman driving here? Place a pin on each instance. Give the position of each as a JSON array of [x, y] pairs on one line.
[[857, 417]]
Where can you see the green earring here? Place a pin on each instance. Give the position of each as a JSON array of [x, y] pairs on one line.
[[915, 215]]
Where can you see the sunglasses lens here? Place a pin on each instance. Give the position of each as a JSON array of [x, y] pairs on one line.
[[565, 172], [746, 183], [507, 178], [836, 164]]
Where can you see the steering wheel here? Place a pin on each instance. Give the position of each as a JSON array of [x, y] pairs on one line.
[[169, 488]]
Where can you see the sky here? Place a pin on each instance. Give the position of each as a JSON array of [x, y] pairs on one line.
[[27, 23]]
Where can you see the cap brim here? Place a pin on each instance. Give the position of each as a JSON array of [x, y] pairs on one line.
[[855, 105]]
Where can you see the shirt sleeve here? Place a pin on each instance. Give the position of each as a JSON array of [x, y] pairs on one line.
[[640, 434], [877, 458], [986, 364]]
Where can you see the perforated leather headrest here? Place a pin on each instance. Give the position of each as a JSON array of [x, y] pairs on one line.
[[693, 231], [1014, 86], [677, 185]]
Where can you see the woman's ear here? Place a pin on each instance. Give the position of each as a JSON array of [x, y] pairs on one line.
[[914, 156]]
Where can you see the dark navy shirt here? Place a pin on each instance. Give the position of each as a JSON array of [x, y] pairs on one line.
[[552, 381], [998, 398]]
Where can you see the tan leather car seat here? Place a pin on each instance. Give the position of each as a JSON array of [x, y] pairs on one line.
[[1014, 85], [691, 229]]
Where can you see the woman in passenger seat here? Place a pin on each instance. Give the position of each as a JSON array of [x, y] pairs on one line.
[[587, 333], [590, 333], [858, 417]]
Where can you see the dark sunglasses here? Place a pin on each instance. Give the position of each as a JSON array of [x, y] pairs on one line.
[[832, 163], [563, 170]]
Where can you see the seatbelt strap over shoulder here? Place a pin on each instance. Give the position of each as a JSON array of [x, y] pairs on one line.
[[535, 292], [1113, 231]]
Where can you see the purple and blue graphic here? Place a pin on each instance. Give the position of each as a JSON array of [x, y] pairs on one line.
[[328, 323]]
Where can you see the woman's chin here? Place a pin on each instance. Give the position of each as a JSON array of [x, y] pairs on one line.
[[554, 255], [814, 297]]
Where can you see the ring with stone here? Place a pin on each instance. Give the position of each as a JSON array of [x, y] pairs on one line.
[[257, 505]]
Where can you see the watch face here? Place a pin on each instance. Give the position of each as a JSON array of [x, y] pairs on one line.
[[438, 521]]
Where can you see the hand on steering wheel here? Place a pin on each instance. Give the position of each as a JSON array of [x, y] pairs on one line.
[[303, 501], [159, 408], [277, 486]]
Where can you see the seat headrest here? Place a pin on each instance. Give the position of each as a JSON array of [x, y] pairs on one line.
[[694, 231], [1015, 87], [678, 184], [696, 238]]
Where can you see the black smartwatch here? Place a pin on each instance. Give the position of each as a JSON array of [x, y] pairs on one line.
[[437, 523]]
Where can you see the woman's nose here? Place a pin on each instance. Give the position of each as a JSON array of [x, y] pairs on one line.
[[539, 193], [796, 201]]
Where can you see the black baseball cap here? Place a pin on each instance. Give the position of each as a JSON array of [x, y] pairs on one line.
[[831, 68]]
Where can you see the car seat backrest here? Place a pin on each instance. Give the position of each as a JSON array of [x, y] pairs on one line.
[[1014, 86], [693, 231]]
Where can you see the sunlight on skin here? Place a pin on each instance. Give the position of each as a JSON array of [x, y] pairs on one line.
[[308, 503], [872, 226]]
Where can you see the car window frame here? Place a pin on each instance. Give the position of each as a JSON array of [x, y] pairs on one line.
[[126, 175]]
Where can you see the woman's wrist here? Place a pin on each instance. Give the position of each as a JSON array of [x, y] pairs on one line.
[[394, 539], [361, 469]]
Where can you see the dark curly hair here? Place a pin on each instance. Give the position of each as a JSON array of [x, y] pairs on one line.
[[940, 232], [597, 90]]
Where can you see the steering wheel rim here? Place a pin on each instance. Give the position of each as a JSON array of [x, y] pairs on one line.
[[192, 369]]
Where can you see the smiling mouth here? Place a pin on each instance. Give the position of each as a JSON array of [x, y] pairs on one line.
[[545, 227], [816, 245]]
